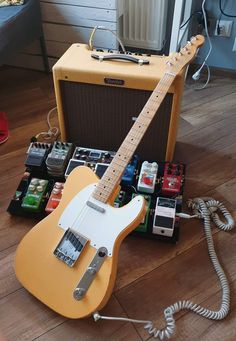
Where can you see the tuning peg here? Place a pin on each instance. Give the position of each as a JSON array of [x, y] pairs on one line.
[[193, 39], [189, 43], [169, 63]]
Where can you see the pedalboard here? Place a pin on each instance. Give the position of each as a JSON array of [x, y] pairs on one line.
[[160, 183]]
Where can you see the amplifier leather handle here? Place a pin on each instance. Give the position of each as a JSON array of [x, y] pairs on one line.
[[121, 57]]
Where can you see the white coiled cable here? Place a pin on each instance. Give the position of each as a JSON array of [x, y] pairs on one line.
[[203, 208]]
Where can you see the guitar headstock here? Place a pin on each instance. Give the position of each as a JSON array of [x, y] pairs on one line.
[[187, 53]]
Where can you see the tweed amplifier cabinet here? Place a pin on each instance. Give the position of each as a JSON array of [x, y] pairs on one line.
[[98, 101]]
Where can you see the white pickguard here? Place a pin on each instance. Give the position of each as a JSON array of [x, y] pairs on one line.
[[101, 229]]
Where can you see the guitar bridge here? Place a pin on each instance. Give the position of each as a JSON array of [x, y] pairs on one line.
[[70, 247]]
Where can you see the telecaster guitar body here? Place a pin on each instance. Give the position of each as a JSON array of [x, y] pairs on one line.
[[69, 259], [49, 276]]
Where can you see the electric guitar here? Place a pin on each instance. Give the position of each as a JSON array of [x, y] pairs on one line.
[[69, 259]]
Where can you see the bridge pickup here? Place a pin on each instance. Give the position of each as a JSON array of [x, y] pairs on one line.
[[70, 247]]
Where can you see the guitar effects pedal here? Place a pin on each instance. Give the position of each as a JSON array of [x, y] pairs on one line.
[[96, 159], [147, 177], [119, 201], [93, 155], [143, 226], [55, 197], [35, 195], [36, 155], [130, 171], [164, 217], [58, 158], [172, 179]]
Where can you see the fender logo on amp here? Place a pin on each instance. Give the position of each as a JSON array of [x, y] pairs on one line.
[[114, 81]]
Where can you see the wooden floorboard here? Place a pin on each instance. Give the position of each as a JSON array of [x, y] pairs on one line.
[[151, 275]]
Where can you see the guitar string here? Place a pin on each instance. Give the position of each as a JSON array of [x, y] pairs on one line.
[[163, 88]]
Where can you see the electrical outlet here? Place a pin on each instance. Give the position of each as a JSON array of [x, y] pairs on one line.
[[223, 28], [234, 46]]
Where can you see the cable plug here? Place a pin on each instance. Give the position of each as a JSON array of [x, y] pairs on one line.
[[196, 75], [96, 316], [186, 216]]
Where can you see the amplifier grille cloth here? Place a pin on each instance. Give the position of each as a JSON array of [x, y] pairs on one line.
[[99, 116]]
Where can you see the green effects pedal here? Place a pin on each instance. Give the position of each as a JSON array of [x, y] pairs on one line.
[[35, 195], [142, 227]]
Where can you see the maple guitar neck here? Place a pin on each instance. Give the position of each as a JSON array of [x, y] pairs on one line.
[[111, 178], [113, 174]]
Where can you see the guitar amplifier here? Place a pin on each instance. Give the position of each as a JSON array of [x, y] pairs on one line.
[[99, 100]]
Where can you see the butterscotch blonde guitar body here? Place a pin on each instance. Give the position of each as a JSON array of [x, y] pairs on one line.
[[51, 280]]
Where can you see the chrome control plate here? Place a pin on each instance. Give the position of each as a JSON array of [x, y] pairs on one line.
[[90, 273]]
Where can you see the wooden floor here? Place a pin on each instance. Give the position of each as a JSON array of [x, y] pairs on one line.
[[151, 274]]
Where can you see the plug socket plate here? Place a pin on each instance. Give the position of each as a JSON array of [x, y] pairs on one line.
[[223, 28]]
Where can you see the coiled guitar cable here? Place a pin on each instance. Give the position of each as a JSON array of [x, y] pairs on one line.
[[206, 209]]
